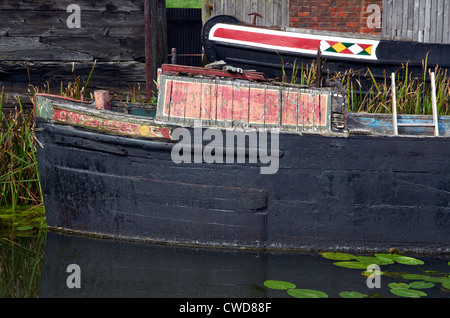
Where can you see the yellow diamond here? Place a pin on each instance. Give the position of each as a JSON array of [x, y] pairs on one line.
[[369, 50], [339, 47]]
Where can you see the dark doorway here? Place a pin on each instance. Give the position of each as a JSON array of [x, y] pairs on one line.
[[184, 27]]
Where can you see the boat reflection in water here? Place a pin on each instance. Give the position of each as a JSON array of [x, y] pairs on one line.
[[112, 268]]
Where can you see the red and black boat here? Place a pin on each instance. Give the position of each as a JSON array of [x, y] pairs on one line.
[[270, 49]]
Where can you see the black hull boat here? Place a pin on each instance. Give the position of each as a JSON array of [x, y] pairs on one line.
[[272, 50], [333, 182]]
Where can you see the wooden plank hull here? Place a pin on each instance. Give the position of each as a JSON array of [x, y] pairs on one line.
[[330, 191]]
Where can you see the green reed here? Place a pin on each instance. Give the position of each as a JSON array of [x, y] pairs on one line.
[[20, 266], [19, 177], [413, 93]]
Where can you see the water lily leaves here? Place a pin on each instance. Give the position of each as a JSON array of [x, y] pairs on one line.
[[398, 285], [406, 292], [338, 256], [421, 285], [352, 294], [437, 279], [277, 284], [416, 276], [351, 264], [374, 260], [306, 293], [406, 260], [446, 284]]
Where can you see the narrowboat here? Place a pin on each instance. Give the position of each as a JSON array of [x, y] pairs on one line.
[[235, 160], [278, 50]]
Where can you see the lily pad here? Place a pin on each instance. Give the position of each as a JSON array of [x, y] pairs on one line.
[[373, 260], [352, 294], [338, 256], [384, 259], [277, 284], [405, 260], [351, 264], [441, 279], [421, 285], [398, 285], [416, 276], [446, 284], [406, 292], [306, 293]]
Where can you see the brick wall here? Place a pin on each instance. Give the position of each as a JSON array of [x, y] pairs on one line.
[[333, 15]]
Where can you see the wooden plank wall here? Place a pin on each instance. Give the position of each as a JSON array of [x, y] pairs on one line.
[[274, 12], [417, 20], [37, 47]]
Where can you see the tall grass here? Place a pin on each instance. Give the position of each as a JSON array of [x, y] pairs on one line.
[[20, 266], [19, 177], [413, 93]]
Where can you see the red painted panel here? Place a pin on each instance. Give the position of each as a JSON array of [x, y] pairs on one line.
[[167, 98], [289, 111], [208, 102], [257, 104], [224, 103], [178, 99], [241, 100], [307, 101], [268, 39], [272, 106], [323, 110], [193, 100]]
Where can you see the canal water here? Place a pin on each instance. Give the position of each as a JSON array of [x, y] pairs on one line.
[[74, 266]]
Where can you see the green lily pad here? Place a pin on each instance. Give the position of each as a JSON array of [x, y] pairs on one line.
[[373, 260], [352, 294], [384, 259], [351, 264], [416, 276], [442, 279], [338, 256], [277, 284], [398, 285], [388, 256], [306, 293], [405, 260], [406, 292], [446, 284], [421, 285]]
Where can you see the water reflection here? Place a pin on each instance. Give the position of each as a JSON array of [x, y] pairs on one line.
[[111, 268]]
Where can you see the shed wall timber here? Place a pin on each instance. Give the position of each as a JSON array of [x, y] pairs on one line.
[[417, 20], [274, 12], [38, 48]]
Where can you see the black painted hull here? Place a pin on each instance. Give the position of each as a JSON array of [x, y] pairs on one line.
[[391, 57], [354, 192]]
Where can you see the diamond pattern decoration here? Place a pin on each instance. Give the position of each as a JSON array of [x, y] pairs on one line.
[[346, 48]]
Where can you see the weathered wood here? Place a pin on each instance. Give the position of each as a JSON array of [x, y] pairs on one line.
[[274, 12], [37, 48], [417, 20]]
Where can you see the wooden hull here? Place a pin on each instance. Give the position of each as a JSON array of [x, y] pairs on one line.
[[361, 192], [270, 50], [334, 180]]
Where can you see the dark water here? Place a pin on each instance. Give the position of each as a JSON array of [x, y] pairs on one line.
[[109, 268]]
